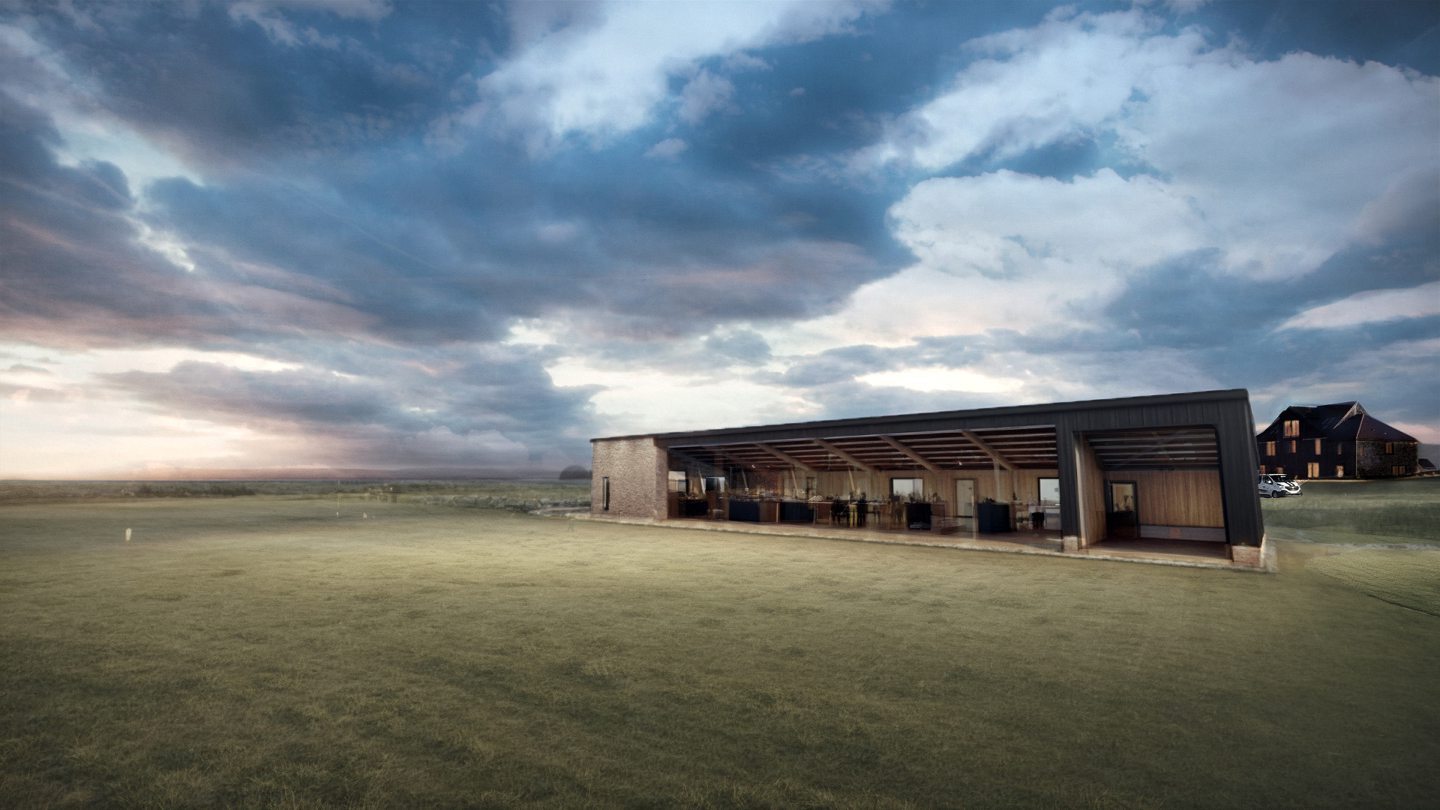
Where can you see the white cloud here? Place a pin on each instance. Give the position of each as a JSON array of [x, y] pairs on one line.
[[1065, 77], [647, 400], [1286, 158], [1372, 306], [705, 94], [1285, 161], [604, 76], [1010, 251], [942, 379], [667, 149], [1010, 225]]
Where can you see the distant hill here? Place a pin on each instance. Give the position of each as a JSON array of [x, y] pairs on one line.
[[574, 473]]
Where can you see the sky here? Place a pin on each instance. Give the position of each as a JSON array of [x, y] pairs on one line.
[[309, 236]]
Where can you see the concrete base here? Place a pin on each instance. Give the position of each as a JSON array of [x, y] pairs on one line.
[[1070, 545], [1248, 556]]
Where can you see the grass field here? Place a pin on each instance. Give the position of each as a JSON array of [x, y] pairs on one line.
[[1400, 512], [260, 651]]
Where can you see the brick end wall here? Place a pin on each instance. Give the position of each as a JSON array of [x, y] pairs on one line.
[[636, 470]]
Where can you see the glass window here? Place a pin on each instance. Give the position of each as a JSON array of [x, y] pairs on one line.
[[907, 488], [714, 483], [1050, 491], [1292, 428], [1269, 448], [1312, 470], [679, 481], [1317, 447]]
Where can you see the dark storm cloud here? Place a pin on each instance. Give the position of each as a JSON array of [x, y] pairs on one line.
[[836, 365], [223, 88], [327, 176], [73, 270], [453, 249], [744, 345], [403, 394]]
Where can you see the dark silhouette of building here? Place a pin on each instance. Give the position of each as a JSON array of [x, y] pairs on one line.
[[1340, 440]]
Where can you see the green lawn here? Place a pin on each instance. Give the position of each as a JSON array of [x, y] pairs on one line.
[[1397, 512], [259, 651]]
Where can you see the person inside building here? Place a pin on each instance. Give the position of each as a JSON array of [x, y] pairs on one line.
[[1037, 515]]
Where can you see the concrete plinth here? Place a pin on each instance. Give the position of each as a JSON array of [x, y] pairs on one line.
[[1249, 556]]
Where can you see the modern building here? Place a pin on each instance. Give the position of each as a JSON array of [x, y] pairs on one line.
[[1340, 440], [1177, 468]]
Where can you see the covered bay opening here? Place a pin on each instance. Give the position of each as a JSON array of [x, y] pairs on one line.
[[1156, 490], [982, 481]]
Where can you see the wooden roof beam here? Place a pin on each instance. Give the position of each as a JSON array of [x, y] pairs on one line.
[[995, 455], [695, 461], [844, 456], [785, 457], [911, 454]]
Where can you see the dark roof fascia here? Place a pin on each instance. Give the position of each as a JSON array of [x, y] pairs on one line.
[[893, 422], [1376, 431], [1338, 421]]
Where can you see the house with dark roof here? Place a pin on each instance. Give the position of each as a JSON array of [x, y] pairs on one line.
[[1335, 441]]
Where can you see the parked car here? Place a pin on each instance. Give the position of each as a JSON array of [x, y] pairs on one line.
[[1275, 485]]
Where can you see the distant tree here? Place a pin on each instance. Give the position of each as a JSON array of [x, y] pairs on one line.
[[574, 472]]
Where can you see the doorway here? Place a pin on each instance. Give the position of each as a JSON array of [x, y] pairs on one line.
[[965, 504], [1122, 513]]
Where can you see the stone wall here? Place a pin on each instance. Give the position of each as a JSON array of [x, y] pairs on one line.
[[635, 470], [1371, 460]]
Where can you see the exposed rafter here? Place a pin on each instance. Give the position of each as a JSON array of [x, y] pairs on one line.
[[994, 454], [785, 457], [844, 456], [695, 460], [911, 454]]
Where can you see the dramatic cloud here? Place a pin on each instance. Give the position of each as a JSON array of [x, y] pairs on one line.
[[604, 75], [376, 235]]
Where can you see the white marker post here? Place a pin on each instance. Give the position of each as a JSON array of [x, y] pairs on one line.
[[127, 535]]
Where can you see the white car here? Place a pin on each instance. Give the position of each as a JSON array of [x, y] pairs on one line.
[[1277, 486]]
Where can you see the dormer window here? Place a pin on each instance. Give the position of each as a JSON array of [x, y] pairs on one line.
[[1292, 428]]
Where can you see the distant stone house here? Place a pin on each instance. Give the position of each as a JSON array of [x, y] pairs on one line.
[[1335, 441]]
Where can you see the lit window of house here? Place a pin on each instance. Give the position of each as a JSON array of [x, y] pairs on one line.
[[1317, 447], [1293, 446], [1312, 470], [1389, 447], [1340, 471], [1292, 428], [1269, 448], [1399, 469]]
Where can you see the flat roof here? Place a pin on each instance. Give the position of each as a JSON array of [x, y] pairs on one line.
[[1138, 403]]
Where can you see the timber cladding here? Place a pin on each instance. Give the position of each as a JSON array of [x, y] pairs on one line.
[[1178, 497]]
